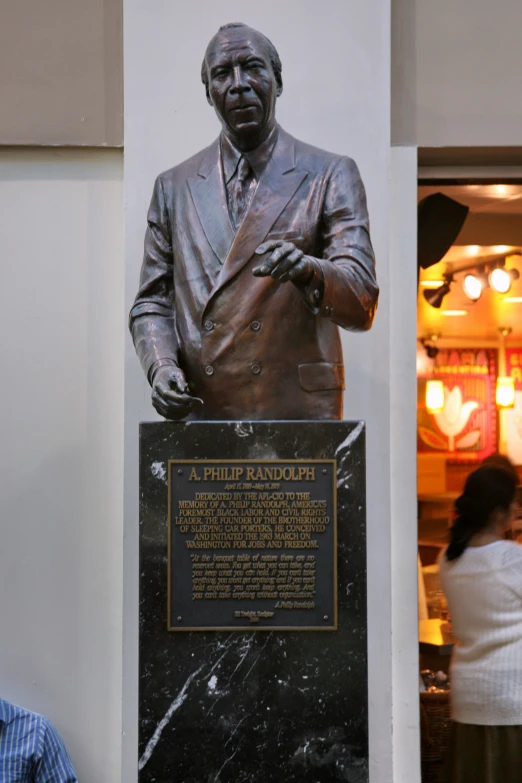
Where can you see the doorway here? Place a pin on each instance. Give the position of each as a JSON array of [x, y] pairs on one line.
[[469, 394]]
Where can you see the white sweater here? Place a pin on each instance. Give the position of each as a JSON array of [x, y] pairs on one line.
[[484, 592]]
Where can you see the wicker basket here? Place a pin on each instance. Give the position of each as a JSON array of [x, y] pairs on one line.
[[435, 734]]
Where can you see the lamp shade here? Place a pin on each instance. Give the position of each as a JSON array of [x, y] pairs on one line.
[[434, 396], [505, 392]]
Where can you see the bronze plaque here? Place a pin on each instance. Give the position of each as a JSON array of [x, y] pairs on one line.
[[252, 545]]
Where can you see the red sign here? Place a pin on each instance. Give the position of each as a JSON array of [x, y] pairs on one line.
[[465, 430], [514, 366]]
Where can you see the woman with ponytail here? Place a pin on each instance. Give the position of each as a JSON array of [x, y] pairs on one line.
[[481, 575]]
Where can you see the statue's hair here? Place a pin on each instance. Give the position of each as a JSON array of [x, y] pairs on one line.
[[275, 60]]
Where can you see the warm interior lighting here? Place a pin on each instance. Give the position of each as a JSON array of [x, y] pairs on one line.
[[434, 396], [472, 250], [432, 283], [513, 299], [500, 279], [473, 286], [454, 312], [505, 392]]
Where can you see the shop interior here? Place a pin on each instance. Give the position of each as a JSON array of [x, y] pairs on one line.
[[469, 380]]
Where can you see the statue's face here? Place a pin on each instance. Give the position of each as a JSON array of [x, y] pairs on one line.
[[242, 85]]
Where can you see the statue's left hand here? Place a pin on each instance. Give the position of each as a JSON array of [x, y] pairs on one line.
[[285, 262]]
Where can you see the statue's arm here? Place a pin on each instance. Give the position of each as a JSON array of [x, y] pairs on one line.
[[151, 318], [341, 284], [345, 275]]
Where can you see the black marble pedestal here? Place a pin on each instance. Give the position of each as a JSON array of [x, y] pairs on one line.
[[260, 706]]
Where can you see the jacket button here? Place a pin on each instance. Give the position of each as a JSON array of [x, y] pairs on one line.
[[209, 370], [209, 325], [255, 326], [256, 369]]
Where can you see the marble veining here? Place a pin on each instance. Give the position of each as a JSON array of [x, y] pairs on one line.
[[265, 706]]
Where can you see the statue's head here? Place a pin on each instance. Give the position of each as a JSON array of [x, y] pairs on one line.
[[241, 72]]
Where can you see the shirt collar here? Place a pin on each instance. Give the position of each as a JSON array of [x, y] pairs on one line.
[[257, 158]]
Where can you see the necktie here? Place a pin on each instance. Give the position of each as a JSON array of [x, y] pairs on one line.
[[241, 191]]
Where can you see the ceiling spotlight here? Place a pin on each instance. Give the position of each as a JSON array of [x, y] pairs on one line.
[[500, 279], [473, 286], [434, 297]]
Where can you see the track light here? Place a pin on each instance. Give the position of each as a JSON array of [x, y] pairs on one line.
[[434, 297], [490, 272], [473, 286], [500, 279]]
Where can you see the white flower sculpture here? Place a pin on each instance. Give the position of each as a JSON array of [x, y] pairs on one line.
[[454, 417]]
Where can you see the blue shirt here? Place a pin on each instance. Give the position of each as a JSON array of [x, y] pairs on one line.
[[31, 750]]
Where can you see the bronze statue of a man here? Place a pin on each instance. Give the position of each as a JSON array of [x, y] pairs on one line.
[[257, 250]]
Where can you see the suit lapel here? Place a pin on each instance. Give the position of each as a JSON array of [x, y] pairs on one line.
[[210, 199], [276, 187]]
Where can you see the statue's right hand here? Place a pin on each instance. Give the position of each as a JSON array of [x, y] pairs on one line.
[[170, 395]]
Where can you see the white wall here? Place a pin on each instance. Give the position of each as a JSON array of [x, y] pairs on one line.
[[61, 445], [456, 72], [403, 464], [336, 71]]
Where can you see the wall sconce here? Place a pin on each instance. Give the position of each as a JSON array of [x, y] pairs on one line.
[[505, 392], [434, 396]]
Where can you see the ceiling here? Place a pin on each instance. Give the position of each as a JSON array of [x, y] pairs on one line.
[[493, 311], [493, 199]]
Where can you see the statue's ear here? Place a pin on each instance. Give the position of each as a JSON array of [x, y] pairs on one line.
[[279, 89], [209, 99]]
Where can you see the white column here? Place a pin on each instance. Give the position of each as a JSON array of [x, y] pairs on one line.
[[61, 445], [336, 72], [403, 466]]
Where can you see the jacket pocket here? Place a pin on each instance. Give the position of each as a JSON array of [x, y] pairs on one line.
[[321, 376]]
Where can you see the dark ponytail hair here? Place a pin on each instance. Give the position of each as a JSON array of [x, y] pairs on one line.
[[487, 489]]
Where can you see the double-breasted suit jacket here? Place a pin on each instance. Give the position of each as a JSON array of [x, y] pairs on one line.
[[253, 347]]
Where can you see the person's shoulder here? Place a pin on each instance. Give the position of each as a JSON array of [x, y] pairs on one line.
[[510, 553], [509, 566], [10, 713], [190, 167]]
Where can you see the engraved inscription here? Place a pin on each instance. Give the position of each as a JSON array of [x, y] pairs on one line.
[[252, 545]]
